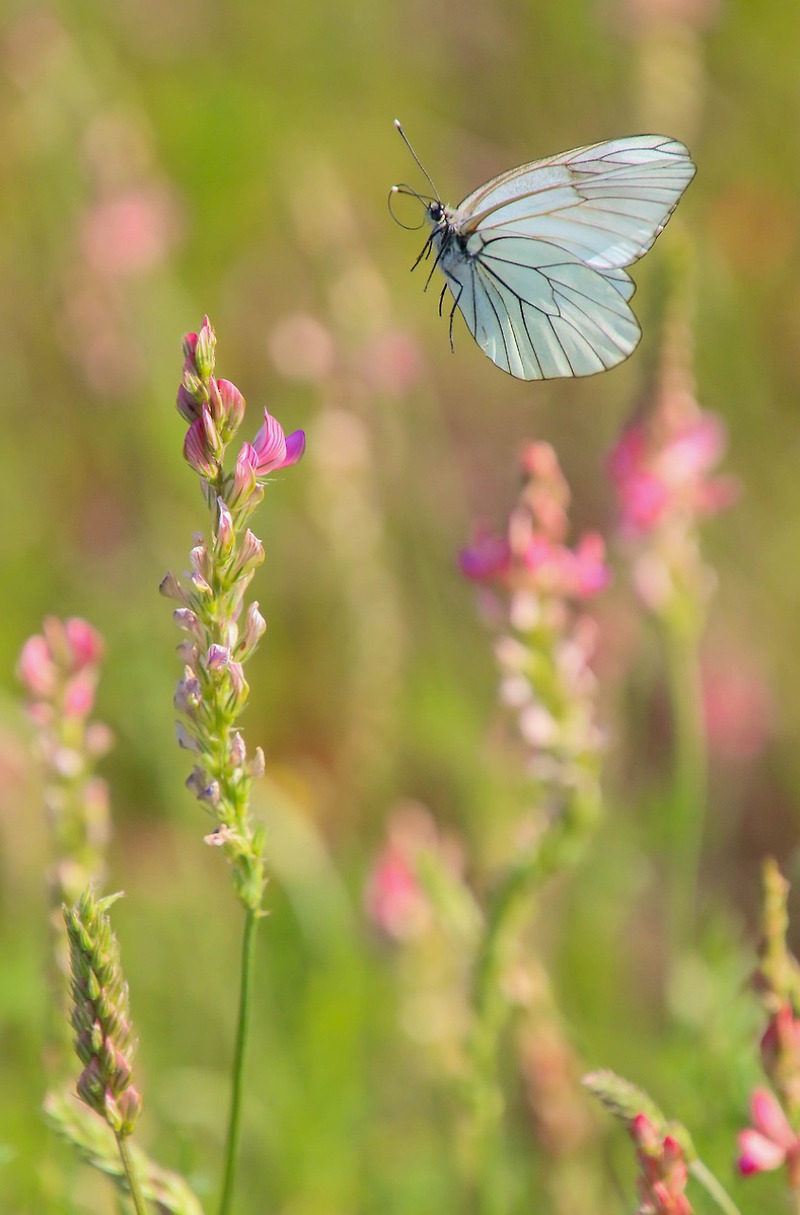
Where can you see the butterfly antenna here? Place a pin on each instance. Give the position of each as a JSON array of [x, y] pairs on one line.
[[405, 140]]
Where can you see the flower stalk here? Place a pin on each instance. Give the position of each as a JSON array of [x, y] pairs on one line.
[[543, 652], [772, 1141], [662, 468], [222, 632], [59, 669]]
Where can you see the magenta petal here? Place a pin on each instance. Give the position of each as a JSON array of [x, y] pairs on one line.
[[295, 446], [270, 444], [488, 557]]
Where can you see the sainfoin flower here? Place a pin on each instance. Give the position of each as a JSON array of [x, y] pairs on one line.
[[59, 669], [394, 900], [663, 1172], [770, 1142], [659, 469], [271, 449], [546, 645], [532, 555]]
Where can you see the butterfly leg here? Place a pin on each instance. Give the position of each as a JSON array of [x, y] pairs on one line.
[[456, 298], [425, 252]]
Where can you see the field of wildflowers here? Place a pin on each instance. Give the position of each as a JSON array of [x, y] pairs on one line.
[[483, 691]]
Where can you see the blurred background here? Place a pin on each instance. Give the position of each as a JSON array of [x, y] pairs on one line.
[[162, 161]]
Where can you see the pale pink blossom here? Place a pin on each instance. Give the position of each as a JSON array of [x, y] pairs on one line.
[[737, 704], [36, 669], [394, 900], [770, 1142], [132, 232], [61, 663], [538, 564], [658, 474]]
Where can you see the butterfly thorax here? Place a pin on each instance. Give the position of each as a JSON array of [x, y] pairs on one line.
[[446, 239]]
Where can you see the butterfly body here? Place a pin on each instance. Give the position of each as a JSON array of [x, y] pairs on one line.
[[535, 259]]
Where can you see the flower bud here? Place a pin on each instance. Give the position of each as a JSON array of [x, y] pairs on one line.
[[171, 588], [204, 350], [238, 751], [225, 533], [249, 556], [197, 451], [232, 405], [257, 764], [186, 619], [254, 629]]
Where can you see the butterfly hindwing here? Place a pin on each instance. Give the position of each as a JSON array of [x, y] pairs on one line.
[[538, 311]]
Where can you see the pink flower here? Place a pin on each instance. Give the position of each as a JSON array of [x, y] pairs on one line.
[[537, 563], [487, 558], [393, 898], [84, 643], [737, 706], [532, 556], [197, 451], [36, 669], [271, 449], [62, 661], [663, 1175], [770, 1142], [656, 474], [131, 233]]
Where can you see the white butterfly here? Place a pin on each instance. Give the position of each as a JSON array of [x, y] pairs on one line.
[[534, 258]]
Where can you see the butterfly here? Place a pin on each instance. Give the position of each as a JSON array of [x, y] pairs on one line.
[[535, 258]]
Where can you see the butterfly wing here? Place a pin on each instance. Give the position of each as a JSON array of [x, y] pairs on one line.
[[537, 266], [540, 312], [606, 203]]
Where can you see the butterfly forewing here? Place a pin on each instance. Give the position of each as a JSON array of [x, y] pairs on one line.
[[606, 203]]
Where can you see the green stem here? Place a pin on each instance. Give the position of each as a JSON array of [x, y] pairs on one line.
[[490, 1008], [708, 1181], [234, 1119], [507, 914], [131, 1176], [689, 783]]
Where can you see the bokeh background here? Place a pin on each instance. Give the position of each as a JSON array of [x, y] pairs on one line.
[[165, 160]]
